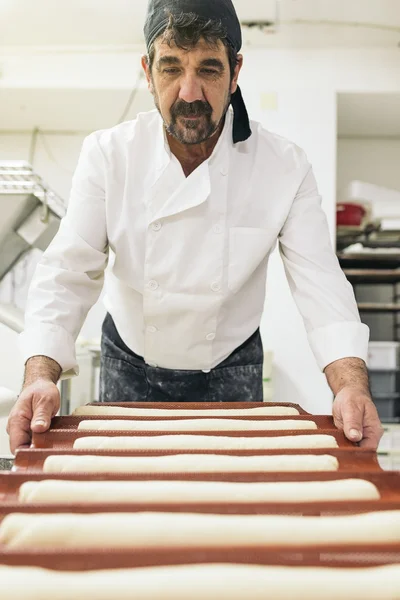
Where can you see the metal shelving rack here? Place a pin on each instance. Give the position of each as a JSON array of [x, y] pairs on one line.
[[377, 269]]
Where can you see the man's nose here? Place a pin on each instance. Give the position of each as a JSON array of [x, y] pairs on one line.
[[191, 89]]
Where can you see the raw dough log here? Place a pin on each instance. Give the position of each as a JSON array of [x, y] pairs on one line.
[[204, 442], [195, 425], [189, 463], [176, 492], [258, 411], [155, 530], [222, 581]]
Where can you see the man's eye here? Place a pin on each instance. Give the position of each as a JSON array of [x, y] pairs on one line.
[[171, 71], [210, 71]]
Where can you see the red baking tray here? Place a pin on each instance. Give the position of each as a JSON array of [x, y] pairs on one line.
[[388, 483], [83, 560], [199, 405], [350, 460], [64, 438], [72, 422], [310, 509]]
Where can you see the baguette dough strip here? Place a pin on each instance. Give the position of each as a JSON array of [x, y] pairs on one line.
[[189, 463], [155, 530], [195, 425], [258, 411], [222, 581], [203, 442], [176, 492]]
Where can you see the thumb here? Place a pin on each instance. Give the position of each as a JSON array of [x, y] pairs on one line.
[[352, 418], [41, 418]]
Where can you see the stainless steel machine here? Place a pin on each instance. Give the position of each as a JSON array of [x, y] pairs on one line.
[[30, 215]]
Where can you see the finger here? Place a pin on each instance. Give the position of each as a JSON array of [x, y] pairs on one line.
[[352, 416], [41, 421], [338, 422], [372, 437], [369, 443], [19, 431], [42, 415]]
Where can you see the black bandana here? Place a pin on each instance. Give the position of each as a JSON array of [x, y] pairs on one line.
[[221, 10]]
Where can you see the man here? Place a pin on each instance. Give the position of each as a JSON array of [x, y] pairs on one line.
[[189, 200]]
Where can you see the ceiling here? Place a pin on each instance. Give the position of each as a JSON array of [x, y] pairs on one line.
[[369, 115], [26, 23]]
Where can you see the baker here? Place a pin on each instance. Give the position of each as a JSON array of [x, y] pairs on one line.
[[188, 201]]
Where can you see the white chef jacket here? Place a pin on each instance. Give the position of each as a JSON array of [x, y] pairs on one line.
[[187, 283]]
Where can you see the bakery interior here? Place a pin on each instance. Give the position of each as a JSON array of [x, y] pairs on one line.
[[261, 520]]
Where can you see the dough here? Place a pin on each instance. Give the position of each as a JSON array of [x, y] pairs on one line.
[[155, 530], [204, 442], [195, 425], [188, 463], [176, 492], [257, 411], [197, 582]]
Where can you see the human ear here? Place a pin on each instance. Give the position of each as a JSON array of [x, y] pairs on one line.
[[147, 72], [238, 67]]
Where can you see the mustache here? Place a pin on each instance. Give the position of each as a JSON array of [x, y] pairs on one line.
[[197, 108]]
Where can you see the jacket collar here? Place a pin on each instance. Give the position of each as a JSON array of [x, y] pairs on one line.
[[165, 197]]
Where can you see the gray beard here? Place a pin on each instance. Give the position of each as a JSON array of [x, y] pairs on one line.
[[191, 134]]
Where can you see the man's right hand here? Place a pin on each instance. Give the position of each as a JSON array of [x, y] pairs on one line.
[[33, 411]]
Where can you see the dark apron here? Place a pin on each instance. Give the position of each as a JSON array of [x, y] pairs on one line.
[[125, 377]]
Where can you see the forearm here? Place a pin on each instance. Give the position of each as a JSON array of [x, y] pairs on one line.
[[41, 367], [67, 282], [348, 372]]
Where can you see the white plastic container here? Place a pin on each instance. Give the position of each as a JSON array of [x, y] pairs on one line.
[[385, 202], [383, 355]]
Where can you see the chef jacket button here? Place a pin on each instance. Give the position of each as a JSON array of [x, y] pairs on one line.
[[210, 337], [217, 229], [207, 371], [152, 365], [152, 329], [215, 287], [224, 171], [153, 285], [156, 226]]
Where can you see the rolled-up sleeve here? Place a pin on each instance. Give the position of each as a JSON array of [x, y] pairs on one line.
[[69, 277], [320, 289]]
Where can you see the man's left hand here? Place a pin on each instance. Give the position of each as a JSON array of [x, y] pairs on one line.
[[355, 413]]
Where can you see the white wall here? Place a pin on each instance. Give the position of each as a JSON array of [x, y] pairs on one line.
[[305, 83], [371, 160]]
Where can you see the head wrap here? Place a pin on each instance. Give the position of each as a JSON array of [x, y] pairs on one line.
[[221, 10]]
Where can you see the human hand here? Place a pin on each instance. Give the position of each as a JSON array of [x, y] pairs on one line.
[[355, 413], [33, 411]]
